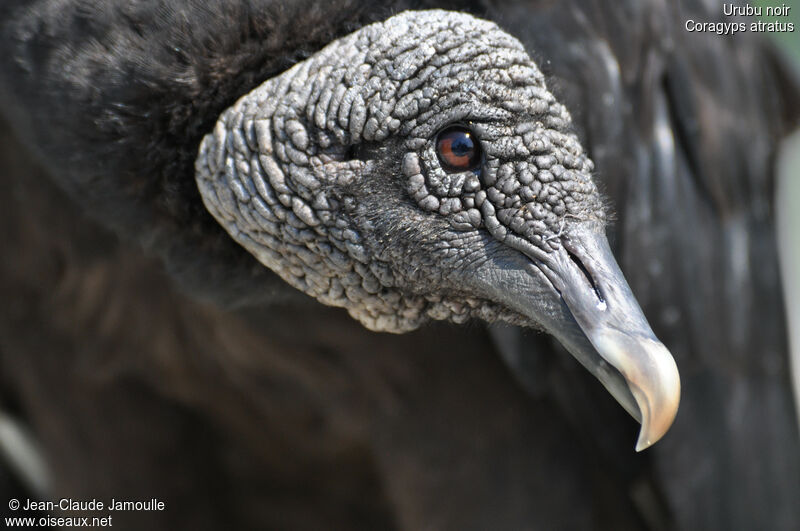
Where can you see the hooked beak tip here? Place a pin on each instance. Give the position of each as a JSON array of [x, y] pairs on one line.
[[652, 376]]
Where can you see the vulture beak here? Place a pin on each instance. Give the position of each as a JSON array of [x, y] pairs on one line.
[[600, 300], [599, 322]]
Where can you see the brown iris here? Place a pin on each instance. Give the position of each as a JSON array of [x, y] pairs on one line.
[[458, 149]]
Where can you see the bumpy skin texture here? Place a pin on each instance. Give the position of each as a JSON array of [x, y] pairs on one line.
[[329, 175]]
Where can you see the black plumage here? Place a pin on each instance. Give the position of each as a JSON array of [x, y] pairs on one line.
[[205, 395]]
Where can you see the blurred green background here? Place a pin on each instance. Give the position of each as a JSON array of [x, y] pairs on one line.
[[788, 41], [788, 192]]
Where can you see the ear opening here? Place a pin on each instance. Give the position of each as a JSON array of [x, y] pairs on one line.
[[352, 152], [363, 151]]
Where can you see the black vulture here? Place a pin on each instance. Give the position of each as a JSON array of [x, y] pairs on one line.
[[230, 180]]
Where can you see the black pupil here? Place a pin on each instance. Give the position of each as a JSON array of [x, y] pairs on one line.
[[462, 145], [457, 150]]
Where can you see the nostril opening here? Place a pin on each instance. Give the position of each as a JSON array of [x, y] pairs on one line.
[[588, 276]]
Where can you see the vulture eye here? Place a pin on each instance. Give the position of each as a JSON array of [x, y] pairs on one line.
[[458, 149]]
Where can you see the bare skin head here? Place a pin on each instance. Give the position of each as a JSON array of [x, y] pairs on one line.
[[420, 169]]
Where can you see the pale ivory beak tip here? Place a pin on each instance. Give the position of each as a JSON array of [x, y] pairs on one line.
[[659, 405], [652, 376], [643, 443]]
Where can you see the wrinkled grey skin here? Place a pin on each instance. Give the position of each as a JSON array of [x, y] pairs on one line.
[[328, 174]]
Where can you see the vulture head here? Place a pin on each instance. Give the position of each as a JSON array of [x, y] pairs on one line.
[[420, 169]]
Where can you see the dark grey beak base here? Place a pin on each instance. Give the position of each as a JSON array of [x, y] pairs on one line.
[[578, 294]]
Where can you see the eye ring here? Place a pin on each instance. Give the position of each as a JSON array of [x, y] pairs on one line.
[[458, 149]]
